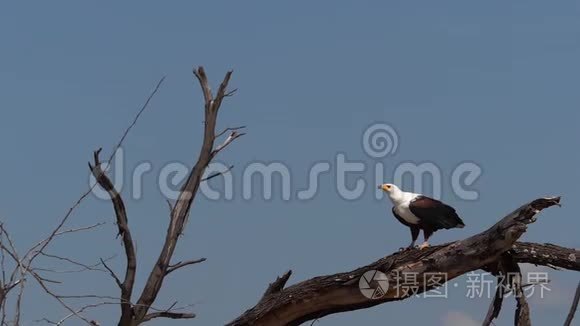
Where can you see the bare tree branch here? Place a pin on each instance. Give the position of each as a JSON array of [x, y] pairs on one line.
[[69, 212], [277, 286], [25, 265], [132, 314], [134, 122], [125, 233], [41, 281], [113, 275], [509, 280], [233, 136], [180, 210], [181, 264], [34, 250], [76, 312], [497, 268], [546, 254], [495, 250], [17, 277], [168, 314], [574, 307], [324, 295], [217, 174], [522, 315], [199, 73], [83, 267], [229, 129]]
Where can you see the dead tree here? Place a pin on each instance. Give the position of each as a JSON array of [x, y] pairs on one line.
[[16, 269], [25, 267], [136, 313], [495, 250], [142, 310]]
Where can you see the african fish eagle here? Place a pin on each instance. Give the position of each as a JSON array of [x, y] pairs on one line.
[[420, 212]]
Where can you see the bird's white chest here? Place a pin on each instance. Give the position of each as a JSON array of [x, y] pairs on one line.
[[405, 213]]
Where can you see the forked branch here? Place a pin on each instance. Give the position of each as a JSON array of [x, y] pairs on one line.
[[324, 295], [138, 312], [180, 210]]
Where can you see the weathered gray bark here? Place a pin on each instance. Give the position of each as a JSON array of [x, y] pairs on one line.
[[126, 286], [324, 295], [133, 314]]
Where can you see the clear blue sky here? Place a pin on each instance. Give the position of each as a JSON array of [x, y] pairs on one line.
[[494, 83]]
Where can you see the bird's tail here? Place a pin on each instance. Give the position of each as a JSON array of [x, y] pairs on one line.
[[453, 221], [459, 222]]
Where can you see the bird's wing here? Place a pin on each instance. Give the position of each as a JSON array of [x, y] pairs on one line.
[[434, 213], [401, 219]]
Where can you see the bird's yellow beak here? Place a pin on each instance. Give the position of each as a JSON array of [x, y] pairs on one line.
[[384, 187]]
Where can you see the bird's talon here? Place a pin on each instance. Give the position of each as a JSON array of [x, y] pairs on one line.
[[423, 246]]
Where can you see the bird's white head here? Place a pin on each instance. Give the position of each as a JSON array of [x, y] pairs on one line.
[[395, 194]]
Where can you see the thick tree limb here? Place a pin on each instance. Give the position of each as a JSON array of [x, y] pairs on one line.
[[502, 269], [511, 280], [125, 233], [522, 315], [275, 287], [496, 303], [546, 254], [324, 295]]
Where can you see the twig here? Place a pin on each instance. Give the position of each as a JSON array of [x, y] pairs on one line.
[[213, 175], [229, 129], [169, 314], [145, 105], [86, 194], [180, 264], [40, 281], [119, 283], [233, 136], [59, 233], [84, 266]]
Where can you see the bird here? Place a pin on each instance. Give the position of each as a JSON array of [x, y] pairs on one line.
[[420, 212]]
